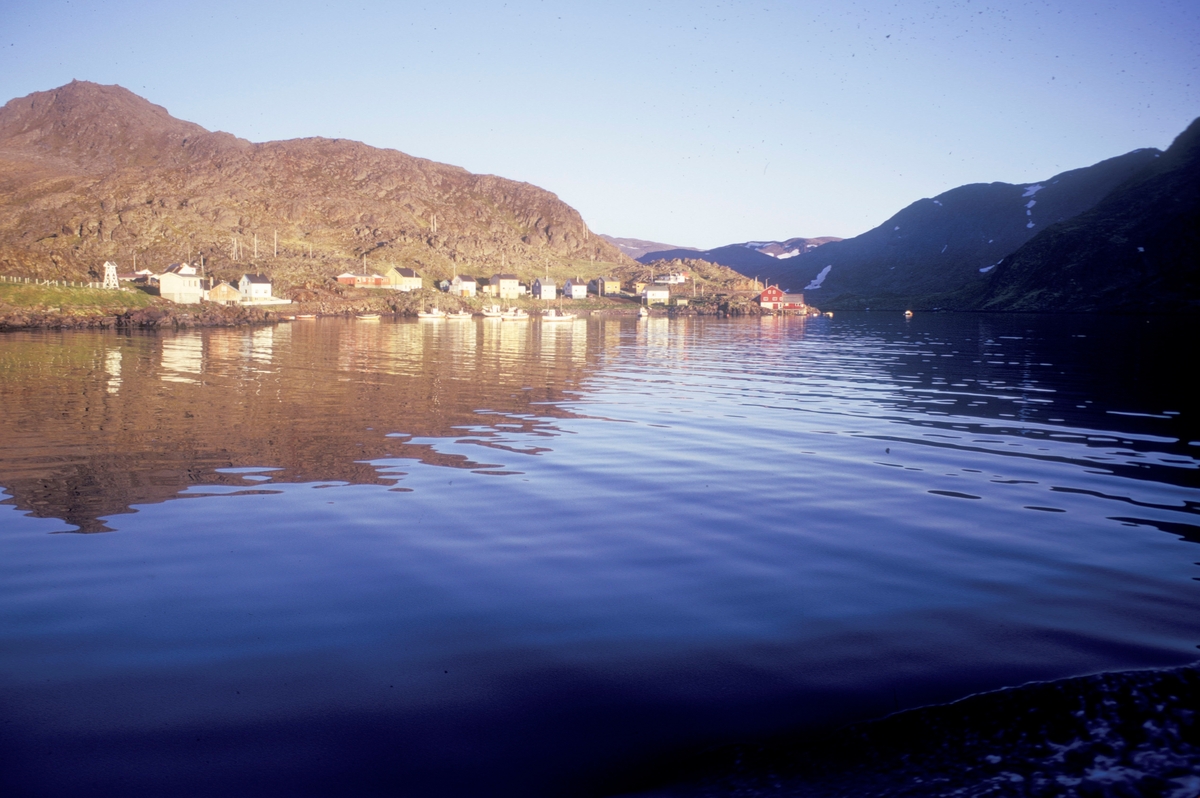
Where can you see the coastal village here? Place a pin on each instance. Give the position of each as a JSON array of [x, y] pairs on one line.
[[365, 294]]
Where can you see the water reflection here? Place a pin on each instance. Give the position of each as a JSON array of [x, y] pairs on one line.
[[320, 401], [182, 357], [333, 400]]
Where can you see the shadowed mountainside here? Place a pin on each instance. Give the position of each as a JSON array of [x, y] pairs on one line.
[[1137, 250], [941, 244], [90, 173]]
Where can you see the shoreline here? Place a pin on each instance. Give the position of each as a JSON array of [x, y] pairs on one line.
[[1131, 732]]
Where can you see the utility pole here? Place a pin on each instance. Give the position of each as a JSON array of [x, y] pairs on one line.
[[256, 246], [277, 243]]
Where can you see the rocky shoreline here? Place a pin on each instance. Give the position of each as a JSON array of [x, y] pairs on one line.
[[144, 319], [1109, 735]]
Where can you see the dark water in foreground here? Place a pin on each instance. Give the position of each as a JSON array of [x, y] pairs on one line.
[[499, 559]]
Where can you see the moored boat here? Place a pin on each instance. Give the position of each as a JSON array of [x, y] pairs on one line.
[[459, 315], [432, 313], [554, 314], [368, 317], [492, 312], [514, 314]]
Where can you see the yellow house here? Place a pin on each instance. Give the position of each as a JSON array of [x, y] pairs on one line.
[[506, 286], [402, 279], [224, 294]]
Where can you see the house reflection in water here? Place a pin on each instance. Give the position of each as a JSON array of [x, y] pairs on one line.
[[319, 402]]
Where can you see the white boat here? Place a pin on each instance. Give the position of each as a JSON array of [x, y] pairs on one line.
[[368, 317], [459, 315], [514, 314], [492, 312], [554, 314], [434, 313], [643, 312]]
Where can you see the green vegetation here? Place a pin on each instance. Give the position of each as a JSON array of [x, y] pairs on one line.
[[76, 301]]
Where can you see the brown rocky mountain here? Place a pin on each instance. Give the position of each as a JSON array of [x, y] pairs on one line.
[[90, 173]]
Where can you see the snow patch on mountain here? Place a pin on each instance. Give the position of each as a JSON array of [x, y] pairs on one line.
[[1031, 190], [786, 255], [820, 278]]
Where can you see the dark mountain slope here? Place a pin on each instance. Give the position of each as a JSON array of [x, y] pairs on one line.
[[940, 244], [1136, 250]]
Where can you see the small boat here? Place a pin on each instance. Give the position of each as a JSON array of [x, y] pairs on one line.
[[368, 317], [554, 314], [643, 312], [514, 314], [492, 312], [433, 313], [908, 314], [459, 315], [305, 316]]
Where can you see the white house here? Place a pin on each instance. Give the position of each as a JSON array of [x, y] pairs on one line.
[[180, 283], [463, 286], [575, 289], [254, 288], [652, 295], [544, 289]]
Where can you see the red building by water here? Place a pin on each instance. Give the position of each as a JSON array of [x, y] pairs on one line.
[[775, 299]]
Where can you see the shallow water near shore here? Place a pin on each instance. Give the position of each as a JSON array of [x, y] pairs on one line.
[[485, 558]]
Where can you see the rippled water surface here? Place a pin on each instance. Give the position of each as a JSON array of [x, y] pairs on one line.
[[434, 558]]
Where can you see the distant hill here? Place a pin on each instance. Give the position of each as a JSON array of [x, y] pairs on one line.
[[90, 173], [1138, 249], [637, 247], [939, 245], [749, 258]]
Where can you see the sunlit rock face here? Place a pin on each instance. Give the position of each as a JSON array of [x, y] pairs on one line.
[[95, 172]]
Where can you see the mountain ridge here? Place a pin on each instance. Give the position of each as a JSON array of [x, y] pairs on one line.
[[1134, 251], [94, 173], [940, 244]]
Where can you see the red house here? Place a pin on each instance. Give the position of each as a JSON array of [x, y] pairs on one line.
[[775, 299], [361, 280]]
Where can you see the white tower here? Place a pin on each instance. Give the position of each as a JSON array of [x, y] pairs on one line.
[[110, 275]]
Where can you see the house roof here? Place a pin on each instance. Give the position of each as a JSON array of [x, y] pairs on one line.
[[256, 278], [462, 278], [405, 271], [181, 268], [497, 277]]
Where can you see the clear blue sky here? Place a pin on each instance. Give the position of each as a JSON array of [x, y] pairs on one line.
[[693, 123]]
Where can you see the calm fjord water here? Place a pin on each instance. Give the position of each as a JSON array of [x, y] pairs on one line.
[[485, 558]]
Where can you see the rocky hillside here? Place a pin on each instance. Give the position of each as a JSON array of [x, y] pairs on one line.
[[948, 242], [1138, 249], [90, 173]]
